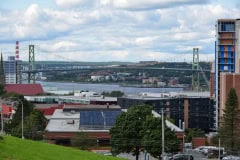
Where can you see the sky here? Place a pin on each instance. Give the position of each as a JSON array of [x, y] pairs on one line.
[[113, 30]]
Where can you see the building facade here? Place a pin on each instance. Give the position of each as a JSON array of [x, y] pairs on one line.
[[195, 112], [228, 81], [226, 54], [11, 70]]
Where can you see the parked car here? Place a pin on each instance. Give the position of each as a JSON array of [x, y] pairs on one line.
[[182, 157], [230, 157]]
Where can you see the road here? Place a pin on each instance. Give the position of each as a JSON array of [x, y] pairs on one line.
[[196, 155]]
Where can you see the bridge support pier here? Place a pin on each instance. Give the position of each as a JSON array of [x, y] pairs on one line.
[[195, 66], [31, 65]]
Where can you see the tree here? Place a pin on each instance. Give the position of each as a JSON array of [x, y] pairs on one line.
[[34, 121], [2, 90], [128, 131], [229, 129], [34, 125], [152, 140], [113, 94], [193, 132], [83, 141]]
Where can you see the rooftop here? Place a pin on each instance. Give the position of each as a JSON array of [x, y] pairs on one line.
[[7, 110], [60, 114], [157, 96], [91, 107], [24, 89], [68, 122]]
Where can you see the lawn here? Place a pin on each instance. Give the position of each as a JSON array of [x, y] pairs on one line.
[[12, 148]]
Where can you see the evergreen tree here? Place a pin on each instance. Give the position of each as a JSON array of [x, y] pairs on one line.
[[229, 130]]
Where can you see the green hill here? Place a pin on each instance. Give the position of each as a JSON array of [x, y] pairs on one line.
[[12, 148]]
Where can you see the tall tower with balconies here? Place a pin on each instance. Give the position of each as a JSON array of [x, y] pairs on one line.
[[226, 55]]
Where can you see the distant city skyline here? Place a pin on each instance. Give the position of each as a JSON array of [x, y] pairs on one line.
[[113, 30]]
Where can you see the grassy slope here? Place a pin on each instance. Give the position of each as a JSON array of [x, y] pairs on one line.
[[17, 149]]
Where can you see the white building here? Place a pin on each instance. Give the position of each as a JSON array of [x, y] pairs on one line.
[[10, 70]]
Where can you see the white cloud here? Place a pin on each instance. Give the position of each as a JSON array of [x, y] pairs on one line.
[[145, 41], [103, 33], [152, 4], [70, 3]]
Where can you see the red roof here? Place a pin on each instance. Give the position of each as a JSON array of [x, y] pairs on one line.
[[25, 89], [7, 110], [50, 111]]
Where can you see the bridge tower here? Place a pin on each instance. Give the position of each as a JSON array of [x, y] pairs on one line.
[[31, 65], [18, 65], [195, 74]]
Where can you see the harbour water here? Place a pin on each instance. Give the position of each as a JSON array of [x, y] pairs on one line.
[[99, 88]]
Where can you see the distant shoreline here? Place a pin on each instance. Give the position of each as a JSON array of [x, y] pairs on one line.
[[119, 84]]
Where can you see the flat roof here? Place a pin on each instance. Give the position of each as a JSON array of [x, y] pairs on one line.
[[59, 114], [63, 125], [100, 98], [68, 122], [157, 96], [91, 106]]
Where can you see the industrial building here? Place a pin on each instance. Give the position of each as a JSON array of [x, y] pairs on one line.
[[226, 60], [195, 110], [101, 100], [94, 120]]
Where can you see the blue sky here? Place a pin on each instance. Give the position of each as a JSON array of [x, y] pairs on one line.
[[112, 30]]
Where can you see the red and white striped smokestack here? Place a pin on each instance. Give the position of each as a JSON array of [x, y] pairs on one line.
[[17, 50]]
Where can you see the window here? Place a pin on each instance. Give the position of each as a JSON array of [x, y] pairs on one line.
[[227, 26]]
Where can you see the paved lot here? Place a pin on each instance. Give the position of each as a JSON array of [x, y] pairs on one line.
[[196, 154]]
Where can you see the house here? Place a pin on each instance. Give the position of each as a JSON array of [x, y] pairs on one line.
[[7, 112]]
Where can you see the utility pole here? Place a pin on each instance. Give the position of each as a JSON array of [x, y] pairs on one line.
[[183, 128], [219, 149], [163, 144]]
